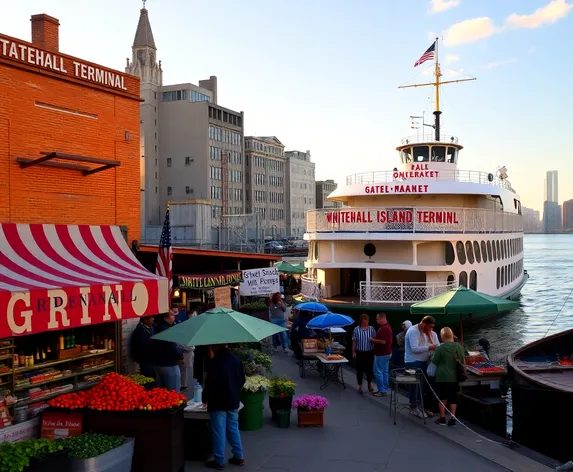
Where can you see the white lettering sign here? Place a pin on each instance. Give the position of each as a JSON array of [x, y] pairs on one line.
[[260, 282]]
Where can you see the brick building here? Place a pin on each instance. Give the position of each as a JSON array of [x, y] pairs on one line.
[[69, 136]]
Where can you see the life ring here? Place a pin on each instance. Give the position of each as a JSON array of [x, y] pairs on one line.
[[490, 177]]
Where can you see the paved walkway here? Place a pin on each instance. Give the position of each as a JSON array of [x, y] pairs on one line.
[[359, 436]]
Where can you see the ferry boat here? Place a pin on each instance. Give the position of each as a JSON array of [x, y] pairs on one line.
[[407, 234]]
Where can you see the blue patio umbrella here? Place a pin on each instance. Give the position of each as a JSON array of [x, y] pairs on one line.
[[329, 320], [312, 306]]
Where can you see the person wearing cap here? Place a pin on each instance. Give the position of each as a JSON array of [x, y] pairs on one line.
[[401, 343]]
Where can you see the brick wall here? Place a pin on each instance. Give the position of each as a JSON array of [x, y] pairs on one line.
[[42, 112]]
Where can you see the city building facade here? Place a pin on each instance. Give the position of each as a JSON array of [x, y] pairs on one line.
[[191, 147], [265, 170], [552, 186], [568, 215], [323, 189], [552, 218], [300, 189], [531, 220]]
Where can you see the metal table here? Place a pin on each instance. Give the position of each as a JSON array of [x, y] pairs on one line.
[[400, 377], [332, 371]]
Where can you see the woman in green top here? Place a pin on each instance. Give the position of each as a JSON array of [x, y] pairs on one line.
[[447, 386]]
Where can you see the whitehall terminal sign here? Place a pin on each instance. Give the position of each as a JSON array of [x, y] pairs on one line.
[[27, 54]]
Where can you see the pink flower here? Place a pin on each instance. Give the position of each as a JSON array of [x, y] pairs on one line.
[[310, 402]]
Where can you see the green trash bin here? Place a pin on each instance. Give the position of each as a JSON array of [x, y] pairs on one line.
[[251, 415], [283, 418]]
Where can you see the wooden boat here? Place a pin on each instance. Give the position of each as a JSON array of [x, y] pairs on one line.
[[541, 379]]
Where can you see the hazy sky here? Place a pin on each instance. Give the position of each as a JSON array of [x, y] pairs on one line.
[[323, 74]]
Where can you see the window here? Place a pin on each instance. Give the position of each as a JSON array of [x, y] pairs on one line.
[[489, 252], [497, 277], [498, 247], [495, 250], [168, 162], [188, 190], [503, 276], [461, 252], [477, 252], [473, 280], [199, 97], [421, 154], [438, 154], [169, 191], [451, 155], [470, 252], [188, 161], [450, 279], [463, 279], [484, 251]]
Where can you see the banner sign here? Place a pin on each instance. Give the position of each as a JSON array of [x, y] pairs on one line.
[[61, 425], [260, 281], [392, 216], [209, 281], [222, 297]]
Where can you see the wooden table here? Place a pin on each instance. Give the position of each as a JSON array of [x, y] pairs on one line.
[[332, 371]]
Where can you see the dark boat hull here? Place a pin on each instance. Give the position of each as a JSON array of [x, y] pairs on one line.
[[542, 413]]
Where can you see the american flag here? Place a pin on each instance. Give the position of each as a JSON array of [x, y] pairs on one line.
[[164, 265], [427, 56]]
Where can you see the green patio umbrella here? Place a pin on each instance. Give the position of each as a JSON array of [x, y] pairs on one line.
[[463, 301], [219, 326], [287, 268]]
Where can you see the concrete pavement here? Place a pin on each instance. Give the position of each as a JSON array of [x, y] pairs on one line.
[[359, 436]]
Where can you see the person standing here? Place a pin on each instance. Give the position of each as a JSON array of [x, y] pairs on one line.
[[225, 380], [446, 358], [186, 366], [142, 346], [382, 354], [168, 356], [277, 310], [401, 344], [421, 342], [362, 352]]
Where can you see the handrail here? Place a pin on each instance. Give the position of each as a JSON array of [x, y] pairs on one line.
[[412, 220], [445, 138], [468, 176]]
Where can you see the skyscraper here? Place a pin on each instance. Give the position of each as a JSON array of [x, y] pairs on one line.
[[551, 209], [551, 187]]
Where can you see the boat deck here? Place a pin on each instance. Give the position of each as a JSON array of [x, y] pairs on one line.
[[550, 374]]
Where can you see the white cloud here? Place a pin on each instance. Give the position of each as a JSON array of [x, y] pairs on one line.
[[431, 35], [437, 6], [451, 58], [550, 13], [469, 31], [496, 64]]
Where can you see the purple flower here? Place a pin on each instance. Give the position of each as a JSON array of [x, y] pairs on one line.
[[310, 402]]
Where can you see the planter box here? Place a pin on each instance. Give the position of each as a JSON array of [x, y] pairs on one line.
[[116, 460], [158, 436], [310, 418], [59, 462], [251, 415]]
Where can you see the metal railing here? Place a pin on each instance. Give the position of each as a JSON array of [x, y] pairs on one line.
[[311, 289], [412, 220], [400, 293], [445, 138], [391, 176]]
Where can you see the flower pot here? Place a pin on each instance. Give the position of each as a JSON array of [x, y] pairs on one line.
[[310, 418], [283, 418], [251, 415], [117, 460], [278, 403]]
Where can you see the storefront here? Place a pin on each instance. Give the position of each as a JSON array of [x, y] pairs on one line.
[[207, 290]]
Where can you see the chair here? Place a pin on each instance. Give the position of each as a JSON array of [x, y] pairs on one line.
[[401, 377]]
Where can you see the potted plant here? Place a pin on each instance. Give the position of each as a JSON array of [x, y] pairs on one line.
[[254, 362], [310, 409], [92, 451], [281, 391], [33, 455], [252, 397]]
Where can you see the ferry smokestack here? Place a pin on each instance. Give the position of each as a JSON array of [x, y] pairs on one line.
[[437, 124]]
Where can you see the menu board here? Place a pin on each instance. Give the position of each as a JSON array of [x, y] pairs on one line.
[[222, 297], [61, 425]]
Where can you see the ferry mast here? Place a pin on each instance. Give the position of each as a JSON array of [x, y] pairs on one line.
[[436, 83]]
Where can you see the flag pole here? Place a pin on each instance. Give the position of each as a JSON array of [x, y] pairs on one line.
[[437, 111]]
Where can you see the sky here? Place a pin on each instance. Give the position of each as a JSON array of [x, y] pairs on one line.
[[323, 75]]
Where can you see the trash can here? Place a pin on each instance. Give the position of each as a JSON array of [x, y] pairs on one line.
[[251, 415], [283, 418]]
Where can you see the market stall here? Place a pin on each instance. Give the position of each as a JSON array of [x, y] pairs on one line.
[[206, 290]]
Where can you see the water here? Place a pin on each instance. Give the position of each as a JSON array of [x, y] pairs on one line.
[[546, 304]]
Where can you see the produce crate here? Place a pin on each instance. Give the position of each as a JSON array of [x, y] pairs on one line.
[[158, 436], [116, 460]]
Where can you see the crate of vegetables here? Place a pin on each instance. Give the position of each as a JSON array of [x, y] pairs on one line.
[[92, 452], [33, 455], [485, 368]]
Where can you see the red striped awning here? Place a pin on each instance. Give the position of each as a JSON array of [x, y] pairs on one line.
[[57, 276]]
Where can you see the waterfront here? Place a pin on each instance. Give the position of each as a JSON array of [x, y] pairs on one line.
[[549, 261]]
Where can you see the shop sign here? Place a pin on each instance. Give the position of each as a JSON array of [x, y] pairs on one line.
[[395, 188], [61, 425], [416, 171], [65, 65], [209, 281], [392, 216], [63, 308], [260, 282], [19, 432], [222, 296]]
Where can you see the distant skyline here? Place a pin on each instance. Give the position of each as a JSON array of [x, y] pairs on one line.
[[323, 75]]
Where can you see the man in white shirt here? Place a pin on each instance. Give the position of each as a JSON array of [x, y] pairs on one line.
[[421, 342]]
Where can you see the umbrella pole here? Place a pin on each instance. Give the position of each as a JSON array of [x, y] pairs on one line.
[[461, 330]]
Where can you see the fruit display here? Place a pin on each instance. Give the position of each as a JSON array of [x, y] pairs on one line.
[[89, 445], [140, 379], [118, 393]]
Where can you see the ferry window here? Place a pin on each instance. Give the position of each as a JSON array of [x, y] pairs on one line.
[[406, 155], [489, 253], [463, 279], [494, 248], [461, 252], [484, 251], [421, 154], [450, 279], [450, 255], [506, 275], [451, 155], [497, 277], [477, 253], [470, 252], [473, 280], [502, 276], [498, 249], [438, 154], [502, 247]]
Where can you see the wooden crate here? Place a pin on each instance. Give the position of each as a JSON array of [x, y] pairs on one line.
[[310, 418]]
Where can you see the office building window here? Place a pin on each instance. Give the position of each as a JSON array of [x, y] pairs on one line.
[[188, 190], [168, 162], [169, 191], [174, 96], [188, 161], [199, 97]]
